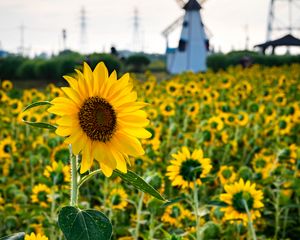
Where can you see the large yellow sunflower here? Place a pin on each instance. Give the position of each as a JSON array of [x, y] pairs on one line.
[[234, 196], [101, 118], [32, 236], [186, 169]]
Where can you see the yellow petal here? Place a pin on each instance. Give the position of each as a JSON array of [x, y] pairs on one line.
[[127, 144], [87, 157], [137, 132]]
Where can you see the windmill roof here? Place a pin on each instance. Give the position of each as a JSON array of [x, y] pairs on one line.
[[287, 40], [192, 5]]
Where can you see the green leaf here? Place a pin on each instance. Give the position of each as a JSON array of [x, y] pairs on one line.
[[173, 201], [40, 125], [79, 224], [217, 203], [36, 104], [139, 183], [16, 236]]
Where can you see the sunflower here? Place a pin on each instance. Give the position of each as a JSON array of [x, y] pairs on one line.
[[168, 108], [3, 97], [15, 105], [60, 153], [117, 199], [235, 196], [186, 169], [173, 89], [7, 147], [215, 123], [263, 164], [7, 85], [175, 214], [284, 125], [41, 195], [32, 236], [101, 118], [280, 99], [226, 174], [58, 172], [242, 119], [193, 110]]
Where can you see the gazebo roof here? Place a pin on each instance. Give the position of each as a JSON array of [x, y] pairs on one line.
[[287, 40], [192, 5]]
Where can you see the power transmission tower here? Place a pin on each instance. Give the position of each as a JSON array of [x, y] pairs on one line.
[[64, 38], [136, 38], [22, 40], [282, 17], [83, 26]]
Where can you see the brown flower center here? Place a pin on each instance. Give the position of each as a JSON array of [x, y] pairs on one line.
[[98, 119]]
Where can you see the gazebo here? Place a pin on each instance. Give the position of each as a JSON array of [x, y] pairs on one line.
[[287, 40]]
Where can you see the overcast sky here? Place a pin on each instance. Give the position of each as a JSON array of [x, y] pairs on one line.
[[110, 22]]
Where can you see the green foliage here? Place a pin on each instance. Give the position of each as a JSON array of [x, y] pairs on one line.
[[223, 61], [79, 224], [16, 236], [9, 65], [137, 63], [27, 69], [112, 62]]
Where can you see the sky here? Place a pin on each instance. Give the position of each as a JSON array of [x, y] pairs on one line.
[[111, 23]]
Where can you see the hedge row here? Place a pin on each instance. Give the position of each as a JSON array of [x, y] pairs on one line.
[[17, 67], [223, 61]]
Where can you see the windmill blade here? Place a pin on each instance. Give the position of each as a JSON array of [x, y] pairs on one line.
[[181, 3], [202, 2], [173, 26]]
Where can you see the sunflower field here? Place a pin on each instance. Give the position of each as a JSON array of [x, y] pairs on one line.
[[219, 154]]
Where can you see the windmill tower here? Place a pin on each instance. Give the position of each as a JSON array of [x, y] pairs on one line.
[[191, 53], [283, 18]]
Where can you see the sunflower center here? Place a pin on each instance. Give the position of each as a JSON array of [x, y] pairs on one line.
[[237, 201], [168, 108], [42, 196], [226, 173], [282, 124], [190, 170], [7, 148], [116, 199], [172, 89], [98, 119], [175, 212], [260, 163]]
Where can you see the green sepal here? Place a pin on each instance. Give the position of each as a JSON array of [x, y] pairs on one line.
[[77, 224], [139, 183]]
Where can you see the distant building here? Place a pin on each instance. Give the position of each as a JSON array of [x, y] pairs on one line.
[[3, 53], [191, 53]]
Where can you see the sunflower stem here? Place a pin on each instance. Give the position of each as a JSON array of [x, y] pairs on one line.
[[74, 189], [88, 177], [138, 216], [250, 223], [196, 207]]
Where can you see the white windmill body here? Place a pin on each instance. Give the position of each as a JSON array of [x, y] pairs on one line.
[[191, 53]]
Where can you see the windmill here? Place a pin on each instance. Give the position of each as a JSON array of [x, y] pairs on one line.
[[190, 55]]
